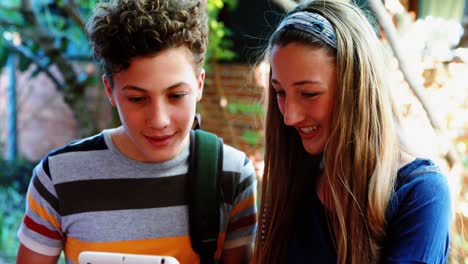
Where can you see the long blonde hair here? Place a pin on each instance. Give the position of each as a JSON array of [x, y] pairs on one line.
[[361, 156]]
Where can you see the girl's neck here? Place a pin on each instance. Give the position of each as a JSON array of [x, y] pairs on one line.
[[319, 187]]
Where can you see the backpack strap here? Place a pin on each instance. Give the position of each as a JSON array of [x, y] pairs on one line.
[[205, 166]]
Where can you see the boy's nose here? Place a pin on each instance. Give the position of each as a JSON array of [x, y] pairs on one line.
[[158, 117]]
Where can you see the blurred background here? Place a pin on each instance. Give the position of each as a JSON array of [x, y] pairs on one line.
[[51, 93]]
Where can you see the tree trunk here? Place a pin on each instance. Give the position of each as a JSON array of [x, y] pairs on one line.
[[12, 147]]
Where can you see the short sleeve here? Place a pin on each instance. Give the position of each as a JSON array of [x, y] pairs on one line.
[[40, 230], [242, 220]]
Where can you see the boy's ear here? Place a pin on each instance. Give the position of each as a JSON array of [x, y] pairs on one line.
[[108, 89], [201, 82]]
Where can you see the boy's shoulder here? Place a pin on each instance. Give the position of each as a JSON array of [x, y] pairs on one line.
[[234, 157], [230, 150], [77, 151], [91, 143]]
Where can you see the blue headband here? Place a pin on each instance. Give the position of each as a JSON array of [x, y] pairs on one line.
[[311, 23]]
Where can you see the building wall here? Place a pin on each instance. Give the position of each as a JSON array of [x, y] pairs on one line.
[[44, 122], [232, 108]]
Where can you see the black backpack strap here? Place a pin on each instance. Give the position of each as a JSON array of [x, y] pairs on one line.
[[205, 166], [196, 121]]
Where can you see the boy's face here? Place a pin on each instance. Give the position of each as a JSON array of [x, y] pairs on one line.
[[156, 99]]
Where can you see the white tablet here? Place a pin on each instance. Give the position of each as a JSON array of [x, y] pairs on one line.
[[94, 257]]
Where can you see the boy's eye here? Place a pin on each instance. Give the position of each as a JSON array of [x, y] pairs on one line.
[[177, 95], [136, 99]]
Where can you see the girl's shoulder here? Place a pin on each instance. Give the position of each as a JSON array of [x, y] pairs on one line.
[[420, 171], [419, 215], [419, 182]]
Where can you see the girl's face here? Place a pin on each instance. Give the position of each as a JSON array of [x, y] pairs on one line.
[[305, 81]]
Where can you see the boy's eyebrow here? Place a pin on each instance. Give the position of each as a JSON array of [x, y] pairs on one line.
[[133, 87]]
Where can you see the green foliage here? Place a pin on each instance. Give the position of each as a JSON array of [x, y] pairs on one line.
[[12, 204], [219, 45], [70, 38], [14, 179], [245, 108], [3, 52], [16, 174], [252, 137]]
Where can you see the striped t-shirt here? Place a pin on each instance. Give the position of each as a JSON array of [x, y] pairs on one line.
[[89, 196]]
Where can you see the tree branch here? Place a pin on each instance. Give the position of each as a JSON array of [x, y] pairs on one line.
[[28, 54], [71, 11], [6, 23], [45, 41], [8, 8], [387, 24], [74, 90]]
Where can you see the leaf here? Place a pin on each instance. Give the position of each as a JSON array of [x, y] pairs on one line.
[[232, 108], [251, 137], [23, 63], [91, 80], [4, 51]]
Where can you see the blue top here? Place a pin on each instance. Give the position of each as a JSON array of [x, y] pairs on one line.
[[418, 222]]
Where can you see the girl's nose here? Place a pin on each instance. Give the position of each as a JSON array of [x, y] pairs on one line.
[[293, 113]]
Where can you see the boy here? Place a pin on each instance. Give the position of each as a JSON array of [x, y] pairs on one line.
[[123, 190]]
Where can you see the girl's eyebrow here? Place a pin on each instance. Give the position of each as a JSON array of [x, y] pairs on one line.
[[307, 82], [299, 83]]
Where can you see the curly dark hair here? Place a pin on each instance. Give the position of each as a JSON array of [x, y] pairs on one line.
[[120, 30]]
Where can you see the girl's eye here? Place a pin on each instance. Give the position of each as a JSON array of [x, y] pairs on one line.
[[279, 93], [309, 95], [177, 95]]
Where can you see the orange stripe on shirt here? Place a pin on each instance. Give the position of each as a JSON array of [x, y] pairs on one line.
[[178, 247], [36, 207], [247, 202]]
